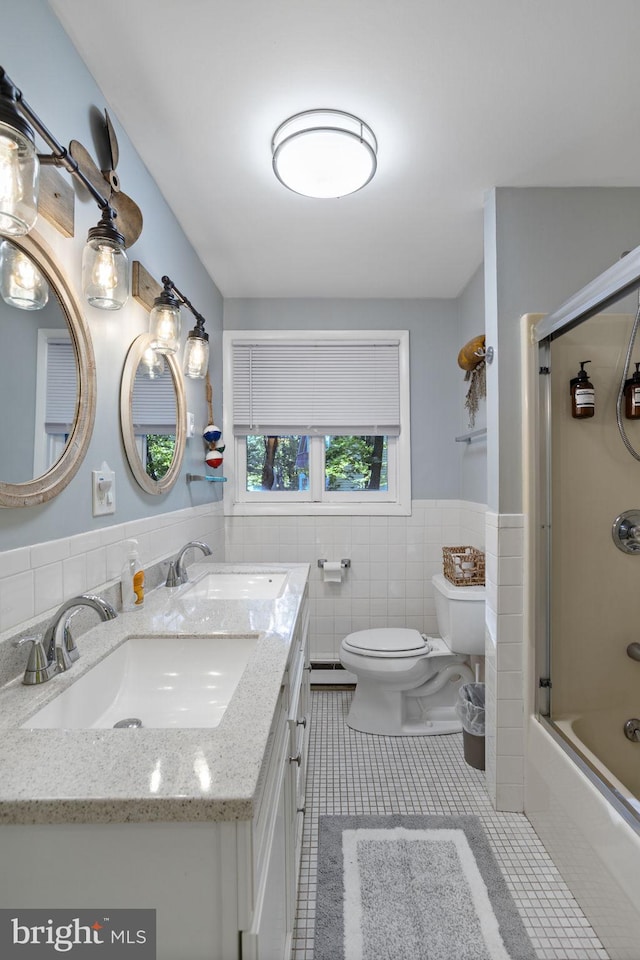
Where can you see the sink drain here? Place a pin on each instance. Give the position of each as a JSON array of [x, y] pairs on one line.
[[129, 724]]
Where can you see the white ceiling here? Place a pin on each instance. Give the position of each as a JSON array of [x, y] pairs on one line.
[[463, 95]]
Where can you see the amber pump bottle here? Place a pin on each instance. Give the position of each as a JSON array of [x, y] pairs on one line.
[[583, 396], [632, 396]]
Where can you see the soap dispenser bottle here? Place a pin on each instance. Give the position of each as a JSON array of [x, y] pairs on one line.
[[632, 396], [132, 579], [583, 396]]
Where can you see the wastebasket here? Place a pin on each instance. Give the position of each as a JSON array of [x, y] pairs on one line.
[[470, 709]]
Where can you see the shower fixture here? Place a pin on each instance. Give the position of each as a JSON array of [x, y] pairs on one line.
[[626, 532], [633, 651], [632, 730]]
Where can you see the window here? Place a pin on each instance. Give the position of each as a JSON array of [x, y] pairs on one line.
[[317, 422]]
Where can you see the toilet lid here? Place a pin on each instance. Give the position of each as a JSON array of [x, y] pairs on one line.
[[387, 640]]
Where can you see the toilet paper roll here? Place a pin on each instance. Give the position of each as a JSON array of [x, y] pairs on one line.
[[332, 571]]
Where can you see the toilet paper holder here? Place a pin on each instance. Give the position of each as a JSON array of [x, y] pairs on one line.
[[343, 563]]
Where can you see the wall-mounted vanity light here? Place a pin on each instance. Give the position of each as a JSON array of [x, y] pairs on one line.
[[21, 281], [164, 329], [165, 321], [104, 262]]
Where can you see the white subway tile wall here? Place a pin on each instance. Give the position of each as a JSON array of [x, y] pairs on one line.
[[34, 580], [392, 562], [504, 676]]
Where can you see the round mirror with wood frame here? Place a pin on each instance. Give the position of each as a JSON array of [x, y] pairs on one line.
[[77, 434], [133, 434]]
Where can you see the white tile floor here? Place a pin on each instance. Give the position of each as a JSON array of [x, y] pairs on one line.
[[355, 773]]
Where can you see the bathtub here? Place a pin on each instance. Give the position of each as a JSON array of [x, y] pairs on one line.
[[597, 735], [589, 822]]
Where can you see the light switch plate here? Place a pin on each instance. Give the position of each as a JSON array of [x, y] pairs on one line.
[[103, 490]]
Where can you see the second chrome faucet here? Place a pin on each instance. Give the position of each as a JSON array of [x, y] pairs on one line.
[[178, 568]]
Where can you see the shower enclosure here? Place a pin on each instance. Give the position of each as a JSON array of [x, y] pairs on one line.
[[582, 782], [594, 585]]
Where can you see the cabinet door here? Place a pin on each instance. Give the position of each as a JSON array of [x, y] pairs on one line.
[[272, 929]]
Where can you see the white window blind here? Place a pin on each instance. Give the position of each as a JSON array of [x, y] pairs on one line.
[[153, 408], [62, 386], [306, 387]]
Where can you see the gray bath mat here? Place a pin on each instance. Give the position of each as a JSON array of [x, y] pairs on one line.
[[413, 888]]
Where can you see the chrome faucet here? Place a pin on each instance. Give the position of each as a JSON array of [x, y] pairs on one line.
[[62, 655], [180, 568], [46, 657]]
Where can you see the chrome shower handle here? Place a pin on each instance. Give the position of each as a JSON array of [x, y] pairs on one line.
[[626, 531]]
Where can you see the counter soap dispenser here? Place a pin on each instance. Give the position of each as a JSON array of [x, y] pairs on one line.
[[132, 579], [583, 396], [632, 396]]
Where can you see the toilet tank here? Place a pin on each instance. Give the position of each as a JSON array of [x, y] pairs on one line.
[[460, 613]]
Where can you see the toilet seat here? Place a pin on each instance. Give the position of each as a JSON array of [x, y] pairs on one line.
[[387, 642]]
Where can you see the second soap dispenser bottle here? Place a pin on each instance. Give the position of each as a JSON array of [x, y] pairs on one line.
[[632, 396]]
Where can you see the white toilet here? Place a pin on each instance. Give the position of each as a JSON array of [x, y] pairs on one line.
[[408, 684]]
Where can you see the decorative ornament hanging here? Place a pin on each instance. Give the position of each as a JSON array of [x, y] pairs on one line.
[[212, 433], [472, 360]]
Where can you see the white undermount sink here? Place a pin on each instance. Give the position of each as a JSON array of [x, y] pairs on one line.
[[162, 681], [238, 586]]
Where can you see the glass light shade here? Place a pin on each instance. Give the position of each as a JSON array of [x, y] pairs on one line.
[[196, 358], [105, 273], [19, 169], [152, 364], [21, 282], [164, 327], [324, 153]]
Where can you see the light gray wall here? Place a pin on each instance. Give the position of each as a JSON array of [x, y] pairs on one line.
[[434, 344], [541, 246], [473, 456], [41, 60]]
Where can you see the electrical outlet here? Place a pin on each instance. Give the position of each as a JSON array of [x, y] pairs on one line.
[[103, 490]]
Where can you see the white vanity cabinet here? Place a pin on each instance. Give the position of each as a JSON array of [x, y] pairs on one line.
[[274, 839], [221, 869]]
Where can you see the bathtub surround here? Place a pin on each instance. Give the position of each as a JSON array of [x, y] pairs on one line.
[[377, 874], [592, 840]]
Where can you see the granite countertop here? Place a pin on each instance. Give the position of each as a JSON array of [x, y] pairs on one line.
[[145, 775]]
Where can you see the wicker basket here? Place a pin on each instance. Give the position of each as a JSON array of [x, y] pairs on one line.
[[463, 566]]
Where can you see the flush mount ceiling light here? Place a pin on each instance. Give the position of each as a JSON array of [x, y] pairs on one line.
[[324, 153]]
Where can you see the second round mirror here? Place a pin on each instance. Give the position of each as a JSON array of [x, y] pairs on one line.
[[152, 416]]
